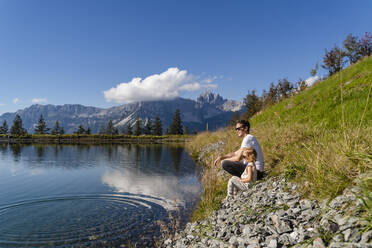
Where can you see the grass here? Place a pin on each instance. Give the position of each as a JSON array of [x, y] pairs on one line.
[[319, 138]]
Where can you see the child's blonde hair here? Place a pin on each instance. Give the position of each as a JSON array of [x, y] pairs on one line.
[[249, 154]]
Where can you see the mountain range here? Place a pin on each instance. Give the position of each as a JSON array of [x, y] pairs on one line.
[[208, 109]]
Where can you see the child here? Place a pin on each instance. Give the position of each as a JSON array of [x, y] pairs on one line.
[[249, 175]]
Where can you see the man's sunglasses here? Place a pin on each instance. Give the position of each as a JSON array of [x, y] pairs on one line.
[[238, 128]]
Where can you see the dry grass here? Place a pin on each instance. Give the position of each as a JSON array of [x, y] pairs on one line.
[[323, 142]]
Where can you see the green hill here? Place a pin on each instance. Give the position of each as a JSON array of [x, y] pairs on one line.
[[319, 138]]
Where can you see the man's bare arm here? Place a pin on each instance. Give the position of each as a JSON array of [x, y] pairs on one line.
[[232, 156]]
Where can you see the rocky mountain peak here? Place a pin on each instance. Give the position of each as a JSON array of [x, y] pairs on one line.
[[211, 98]]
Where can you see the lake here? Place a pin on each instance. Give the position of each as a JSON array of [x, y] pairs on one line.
[[94, 196]]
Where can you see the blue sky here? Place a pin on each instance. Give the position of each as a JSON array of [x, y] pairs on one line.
[[59, 52]]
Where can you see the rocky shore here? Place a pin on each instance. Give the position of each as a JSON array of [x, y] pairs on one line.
[[273, 214]]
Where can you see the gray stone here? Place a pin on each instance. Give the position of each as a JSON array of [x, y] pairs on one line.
[[233, 240], [366, 237], [294, 235], [349, 245], [318, 243], [190, 237], [273, 243], [347, 234], [168, 242], [253, 241], [284, 239], [338, 238]]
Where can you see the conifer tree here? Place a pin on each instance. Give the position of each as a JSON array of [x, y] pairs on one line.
[[41, 127], [115, 131], [138, 128], [158, 129], [56, 129], [176, 126], [17, 127], [110, 128], [88, 131], [252, 103], [102, 130], [4, 128], [352, 47], [80, 130], [129, 130], [148, 127], [62, 131]]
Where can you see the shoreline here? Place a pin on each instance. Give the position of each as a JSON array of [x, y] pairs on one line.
[[92, 139]]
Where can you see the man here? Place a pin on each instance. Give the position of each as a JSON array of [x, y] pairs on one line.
[[231, 163]]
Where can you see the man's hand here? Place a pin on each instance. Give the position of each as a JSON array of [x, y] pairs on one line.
[[218, 159]]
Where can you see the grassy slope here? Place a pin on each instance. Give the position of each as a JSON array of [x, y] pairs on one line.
[[320, 138]]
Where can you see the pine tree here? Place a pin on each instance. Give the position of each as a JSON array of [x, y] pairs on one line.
[[176, 126], [352, 47], [80, 130], [253, 104], [129, 130], [62, 131], [115, 131], [102, 130], [365, 45], [88, 131], [285, 88], [148, 127], [4, 128], [17, 128], [110, 128], [41, 127], [56, 130], [158, 129], [138, 128]]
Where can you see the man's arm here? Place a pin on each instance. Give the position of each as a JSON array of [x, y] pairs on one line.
[[232, 156]]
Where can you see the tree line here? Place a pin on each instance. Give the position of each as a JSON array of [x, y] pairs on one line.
[[354, 49], [150, 128]]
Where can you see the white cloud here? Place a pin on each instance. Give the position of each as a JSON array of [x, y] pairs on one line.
[[163, 86], [39, 100], [311, 80], [2, 104], [16, 100]]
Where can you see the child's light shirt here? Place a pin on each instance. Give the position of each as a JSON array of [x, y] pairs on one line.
[[254, 173]]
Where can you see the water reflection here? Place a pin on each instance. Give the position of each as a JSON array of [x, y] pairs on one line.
[[16, 150], [72, 188], [168, 187]]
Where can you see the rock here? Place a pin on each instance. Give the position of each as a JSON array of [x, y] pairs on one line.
[[318, 243], [273, 243], [366, 237], [349, 245], [256, 218], [168, 242]]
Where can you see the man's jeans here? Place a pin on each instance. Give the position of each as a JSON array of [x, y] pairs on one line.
[[237, 168]]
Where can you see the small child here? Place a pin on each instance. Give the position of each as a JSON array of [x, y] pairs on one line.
[[249, 175]]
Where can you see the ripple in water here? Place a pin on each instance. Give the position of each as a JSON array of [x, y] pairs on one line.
[[82, 221]]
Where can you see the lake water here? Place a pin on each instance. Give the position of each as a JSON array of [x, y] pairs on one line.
[[93, 196]]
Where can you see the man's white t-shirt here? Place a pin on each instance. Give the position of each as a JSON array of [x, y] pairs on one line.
[[251, 141]]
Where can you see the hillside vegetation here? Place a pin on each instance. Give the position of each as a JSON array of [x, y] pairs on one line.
[[319, 138]]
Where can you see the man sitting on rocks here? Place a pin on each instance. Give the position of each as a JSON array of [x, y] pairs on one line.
[[231, 162]]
